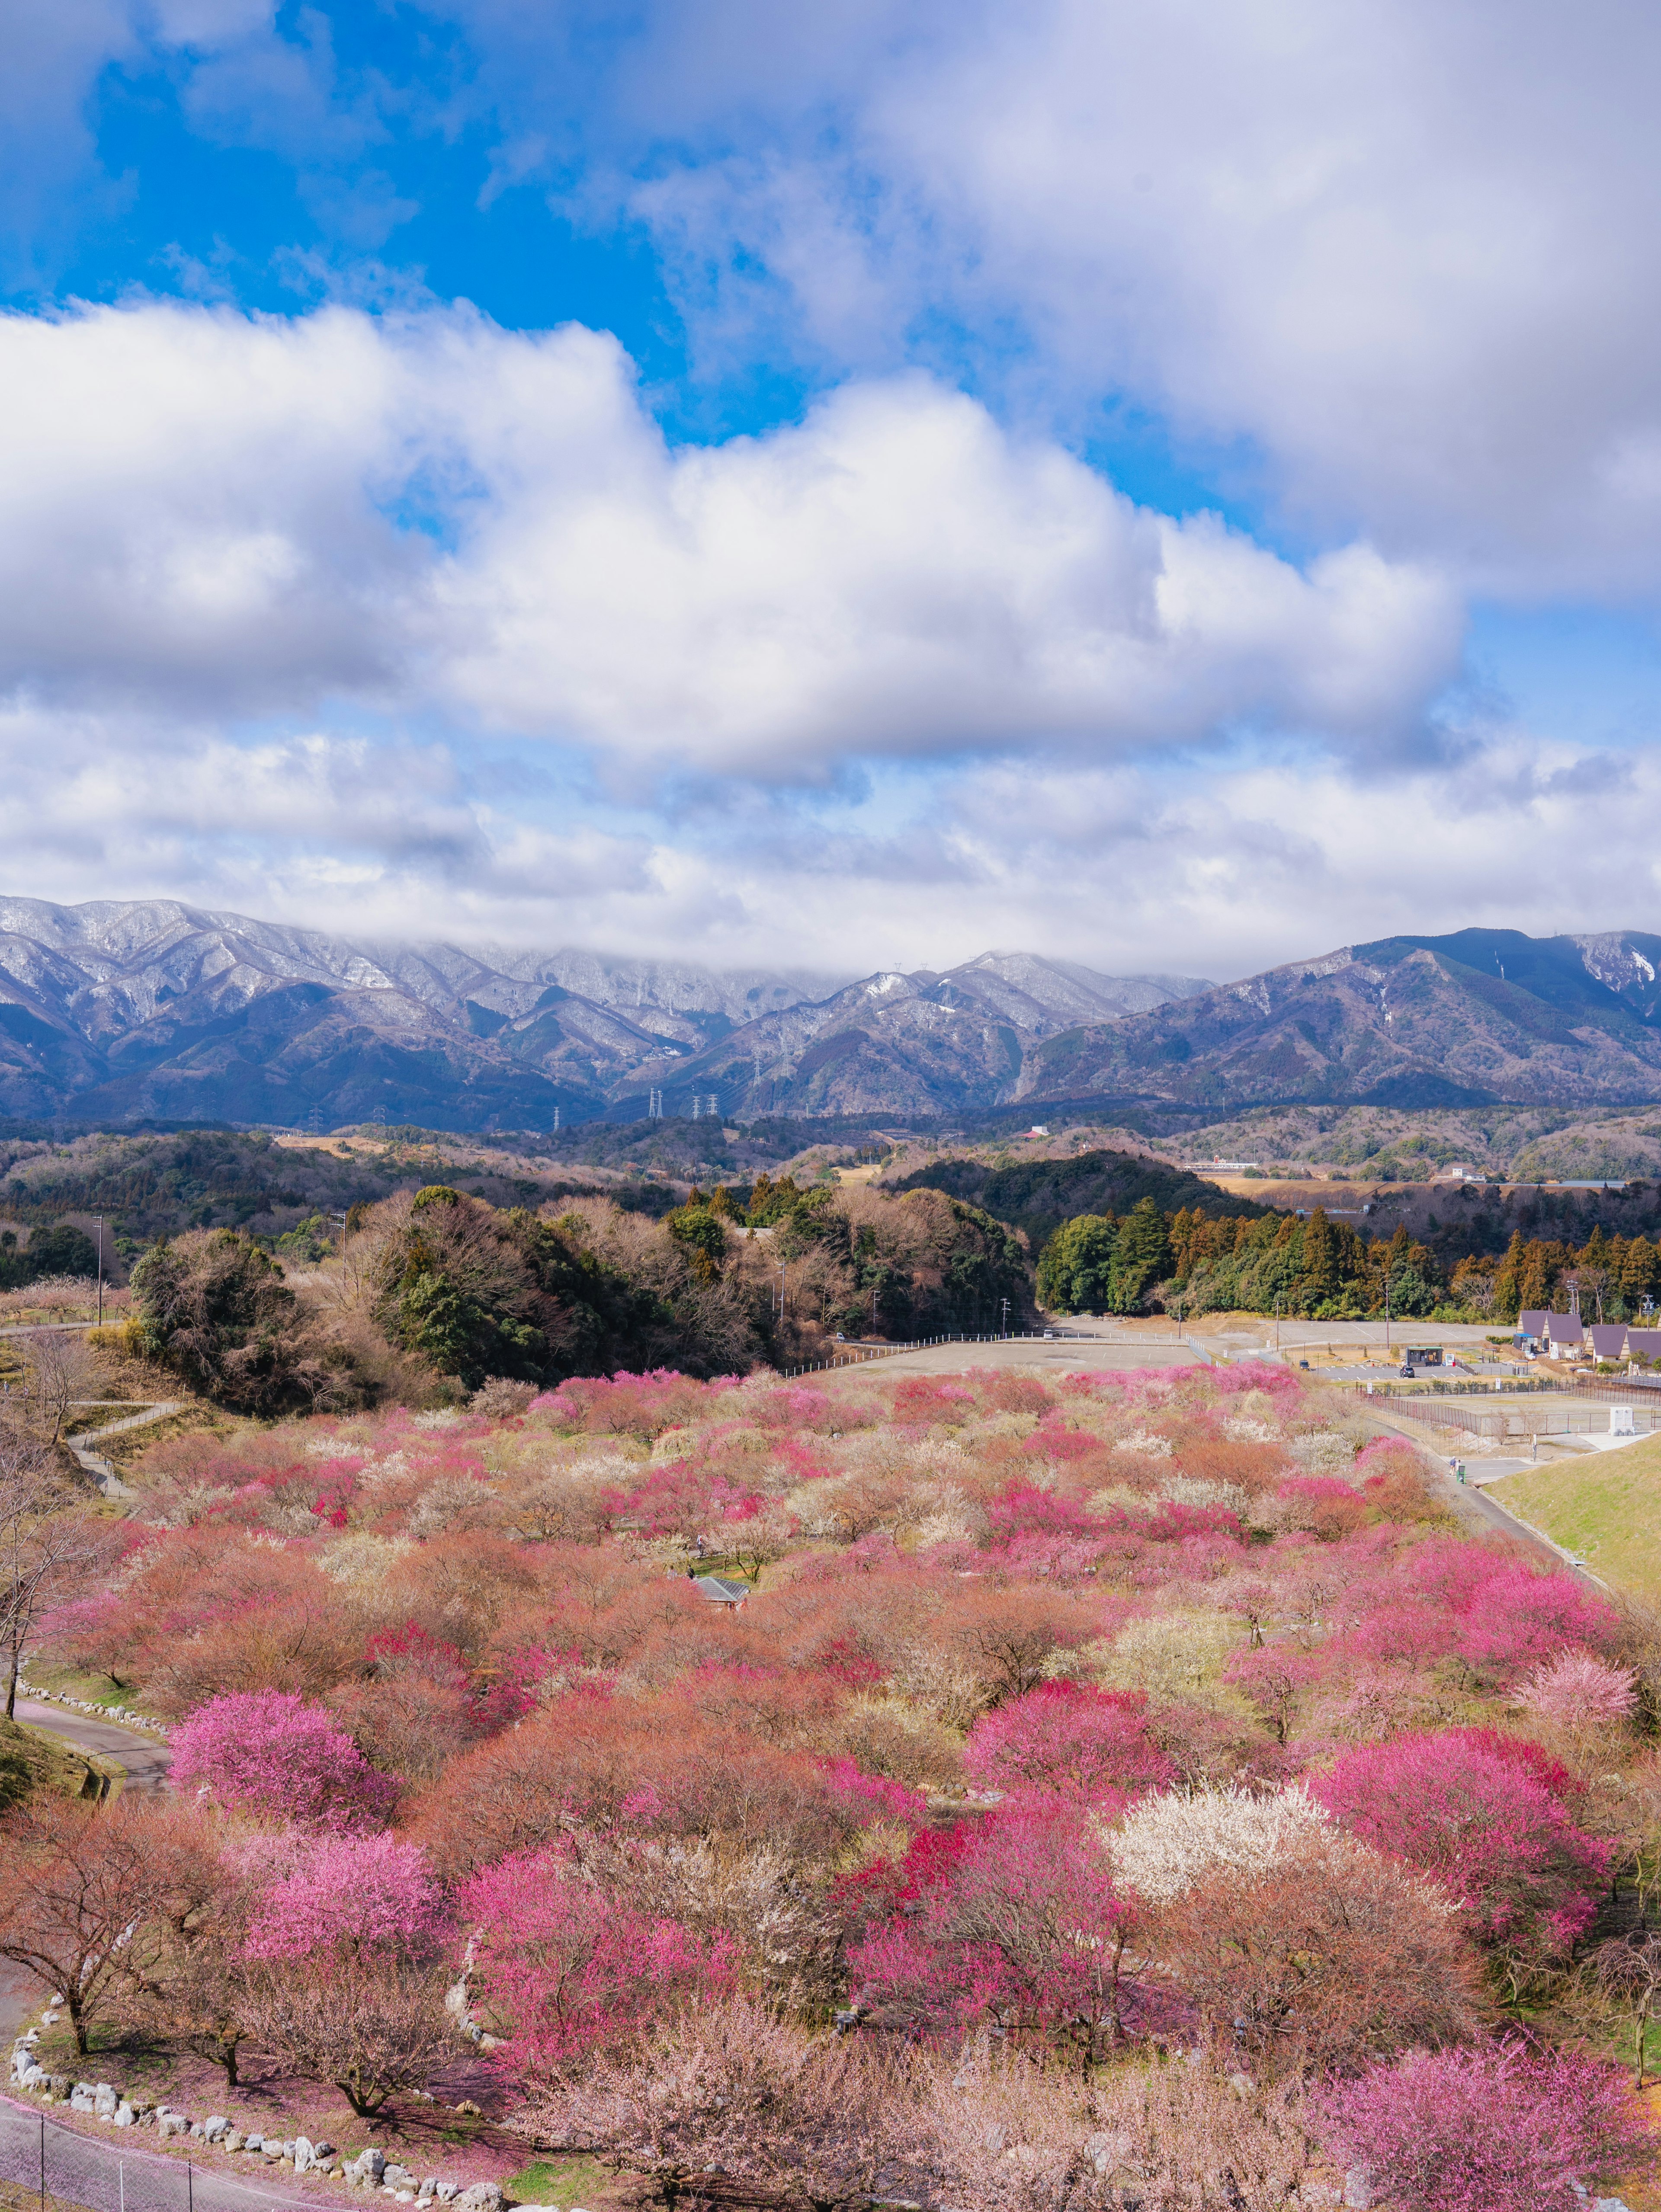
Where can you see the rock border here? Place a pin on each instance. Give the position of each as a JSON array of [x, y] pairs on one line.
[[370, 2172]]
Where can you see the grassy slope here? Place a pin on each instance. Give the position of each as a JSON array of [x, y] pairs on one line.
[[31, 1760], [1604, 1507]]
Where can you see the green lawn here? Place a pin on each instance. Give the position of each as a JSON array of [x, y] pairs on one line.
[[561, 2181], [1605, 1507]]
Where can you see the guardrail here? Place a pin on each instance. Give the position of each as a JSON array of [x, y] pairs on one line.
[[857, 1355]]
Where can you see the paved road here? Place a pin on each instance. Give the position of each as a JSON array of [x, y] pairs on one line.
[[111, 2177], [145, 1759]]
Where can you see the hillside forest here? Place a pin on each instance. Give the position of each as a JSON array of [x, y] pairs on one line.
[[434, 1292], [1112, 1789], [1324, 1270], [263, 1281]]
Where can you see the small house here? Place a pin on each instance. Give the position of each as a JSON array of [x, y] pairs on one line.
[[1566, 1332], [1608, 1339]]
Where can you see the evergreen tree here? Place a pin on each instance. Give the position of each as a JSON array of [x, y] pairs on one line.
[[1638, 1272], [1320, 1277], [1075, 1269], [1508, 1283], [1539, 1277], [1141, 1256]]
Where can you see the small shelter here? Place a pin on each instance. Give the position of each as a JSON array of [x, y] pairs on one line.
[[720, 1590], [1565, 1331], [1608, 1339]]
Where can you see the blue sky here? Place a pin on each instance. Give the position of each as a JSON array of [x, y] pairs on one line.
[[1169, 490]]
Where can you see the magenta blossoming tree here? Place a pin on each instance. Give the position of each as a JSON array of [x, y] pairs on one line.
[[562, 1973], [1493, 2129], [349, 1894], [269, 1753], [1063, 1742], [1483, 1824]]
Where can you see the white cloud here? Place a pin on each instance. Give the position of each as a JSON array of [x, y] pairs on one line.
[[1115, 865], [228, 513], [1401, 248]]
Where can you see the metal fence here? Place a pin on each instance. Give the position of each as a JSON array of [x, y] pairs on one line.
[[56, 2169], [1498, 1419]]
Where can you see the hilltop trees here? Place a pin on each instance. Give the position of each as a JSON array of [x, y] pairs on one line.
[[479, 1291], [214, 1306]]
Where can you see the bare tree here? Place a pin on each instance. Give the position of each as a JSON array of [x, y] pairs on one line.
[[732, 2090], [84, 1893], [1630, 1968], [373, 2026], [60, 1368], [46, 1544]]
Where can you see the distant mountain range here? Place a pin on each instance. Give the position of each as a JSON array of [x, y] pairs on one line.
[[148, 1010], [1481, 1016]]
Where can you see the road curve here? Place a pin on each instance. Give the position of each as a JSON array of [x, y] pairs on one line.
[[144, 1757]]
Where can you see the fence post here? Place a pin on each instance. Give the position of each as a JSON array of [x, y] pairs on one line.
[[43, 2162]]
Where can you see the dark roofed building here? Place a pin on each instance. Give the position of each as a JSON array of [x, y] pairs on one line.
[[720, 1590]]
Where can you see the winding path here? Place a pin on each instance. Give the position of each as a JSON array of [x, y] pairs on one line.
[[100, 1469]]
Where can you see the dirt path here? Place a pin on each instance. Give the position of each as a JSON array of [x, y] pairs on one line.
[[101, 1470]]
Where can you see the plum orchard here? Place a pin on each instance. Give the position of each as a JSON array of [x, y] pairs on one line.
[[1129, 1788]]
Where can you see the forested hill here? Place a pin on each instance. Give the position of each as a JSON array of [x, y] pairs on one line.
[[1038, 1195]]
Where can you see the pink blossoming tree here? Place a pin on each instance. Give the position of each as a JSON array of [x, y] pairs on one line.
[[1493, 2129], [269, 1753]]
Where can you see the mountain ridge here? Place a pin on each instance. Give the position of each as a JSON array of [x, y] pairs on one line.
[[155, 1010]]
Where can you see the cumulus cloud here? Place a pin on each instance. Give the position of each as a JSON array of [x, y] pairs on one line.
[[1401, 248], [204, 509]]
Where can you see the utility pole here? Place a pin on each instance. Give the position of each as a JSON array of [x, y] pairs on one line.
[[1277, 1324], [1006, 1316], [100, 1270]]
